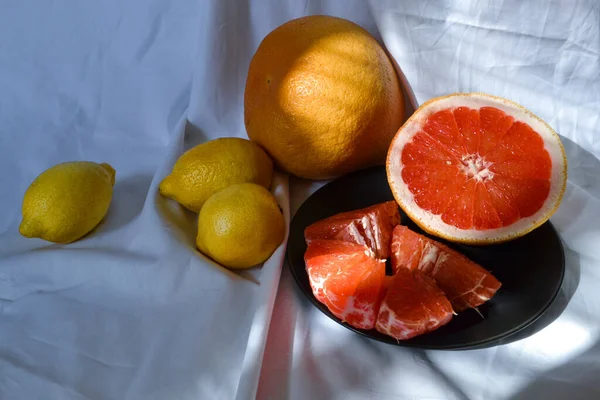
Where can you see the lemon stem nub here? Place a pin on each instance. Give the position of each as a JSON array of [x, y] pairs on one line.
[[29, 228], [111, 171]]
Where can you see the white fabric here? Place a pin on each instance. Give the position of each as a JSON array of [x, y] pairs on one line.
[[134, 312]]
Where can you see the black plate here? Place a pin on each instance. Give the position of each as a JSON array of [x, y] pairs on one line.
[[530, 268]]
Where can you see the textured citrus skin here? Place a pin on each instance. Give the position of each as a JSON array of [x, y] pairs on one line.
[[240, 226], [548, 210], [322, 98], [67, 201], [212, 166]]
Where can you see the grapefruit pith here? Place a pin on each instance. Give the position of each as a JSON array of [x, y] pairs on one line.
[[475, 168]]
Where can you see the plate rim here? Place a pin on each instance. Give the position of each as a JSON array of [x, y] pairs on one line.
[[472, 345]]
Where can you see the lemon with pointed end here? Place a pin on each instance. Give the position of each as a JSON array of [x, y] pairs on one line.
[[209, 167], [67, 201], [240, 226]]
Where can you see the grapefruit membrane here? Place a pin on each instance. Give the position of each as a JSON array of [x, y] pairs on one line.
[[478, 169]]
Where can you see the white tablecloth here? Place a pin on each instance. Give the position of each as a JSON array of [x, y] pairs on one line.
[[134, 312]]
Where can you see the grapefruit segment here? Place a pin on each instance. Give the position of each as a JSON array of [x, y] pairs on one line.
[[459, 212], [465, 283], [420, 178], [418, 152], [494, 124], [521, 139], [485, 215], [536, 167], [474, 168], [527, 195], [371, 226], [442, 127], [502, 203], [346, 278], [412, 306], [467, 121]]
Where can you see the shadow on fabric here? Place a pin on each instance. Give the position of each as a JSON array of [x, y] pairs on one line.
[[575, 380], [128, 199]]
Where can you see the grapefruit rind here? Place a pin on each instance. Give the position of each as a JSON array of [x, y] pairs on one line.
[[434, 224]]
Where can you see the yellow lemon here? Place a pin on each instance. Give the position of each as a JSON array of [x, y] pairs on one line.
[[67, 201], [240, 226], [209, 167]]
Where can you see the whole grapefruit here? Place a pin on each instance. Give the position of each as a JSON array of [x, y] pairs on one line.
[[322, 98]]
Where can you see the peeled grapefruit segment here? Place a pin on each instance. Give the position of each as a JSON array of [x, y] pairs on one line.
[[474, 168], [347, 278], [466, 283], [413, 305], [371, 226]]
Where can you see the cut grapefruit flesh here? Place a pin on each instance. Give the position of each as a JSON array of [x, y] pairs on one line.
[[347, 278], [413, 305], [371, 226], [465, 283], [474, 168]]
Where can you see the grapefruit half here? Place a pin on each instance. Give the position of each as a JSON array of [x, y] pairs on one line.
[[477, 169]]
